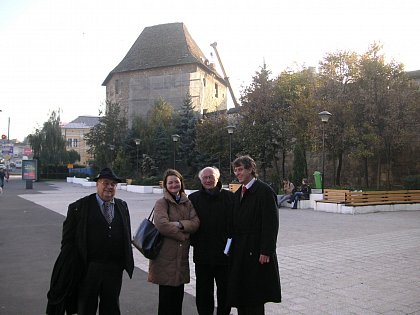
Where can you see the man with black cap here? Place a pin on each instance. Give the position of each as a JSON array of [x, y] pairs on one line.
[[95, 249]]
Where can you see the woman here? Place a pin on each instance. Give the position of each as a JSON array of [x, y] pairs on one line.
[[176, 219], [288, 188]]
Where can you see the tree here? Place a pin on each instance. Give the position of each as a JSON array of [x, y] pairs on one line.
[[187, 130], [296, 96], [260, 114], [155, 132], [107, 137], [338, 73], [48, 144], [387, 100], [213, 141]]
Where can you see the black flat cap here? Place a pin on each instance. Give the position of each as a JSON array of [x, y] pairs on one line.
[[108, 174]]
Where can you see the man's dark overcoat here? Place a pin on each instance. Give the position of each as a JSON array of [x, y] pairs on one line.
[[215, 212], [255, 229], [72, 261]]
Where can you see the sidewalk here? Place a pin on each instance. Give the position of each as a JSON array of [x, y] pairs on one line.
[[329, 263]]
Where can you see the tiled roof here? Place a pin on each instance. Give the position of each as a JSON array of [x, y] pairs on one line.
[[161, 46], [82, 122]]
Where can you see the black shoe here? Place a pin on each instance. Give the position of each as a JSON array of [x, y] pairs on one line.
[[288, 201], [294, 207]]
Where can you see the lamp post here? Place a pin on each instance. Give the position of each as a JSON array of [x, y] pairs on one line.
[[175, 139], [112, 148], [230, 130], [325, 116], [137, 141]]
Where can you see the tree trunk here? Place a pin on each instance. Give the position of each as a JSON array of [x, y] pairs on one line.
[[366, 169], [339, 167], [378, 175]]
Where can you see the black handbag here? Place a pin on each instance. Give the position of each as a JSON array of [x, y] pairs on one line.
[[147, 238]]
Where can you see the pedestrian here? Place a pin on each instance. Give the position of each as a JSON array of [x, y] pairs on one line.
[[214, 206], [254, 277], [303, 193], [288, 189], [95, 249], [4, 176], [176, 219]]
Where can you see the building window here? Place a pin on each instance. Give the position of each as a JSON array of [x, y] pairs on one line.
[[69, 142], [204, 82], [117, 86], [75, 143], [216, 87]]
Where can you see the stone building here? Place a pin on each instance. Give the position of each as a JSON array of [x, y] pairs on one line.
[[165, 62], [74, 134]]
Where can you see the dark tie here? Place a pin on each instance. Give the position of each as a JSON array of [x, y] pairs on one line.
[[244, 190], [107, 212]]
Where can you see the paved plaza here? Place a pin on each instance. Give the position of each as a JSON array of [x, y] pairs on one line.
[[329, 263]]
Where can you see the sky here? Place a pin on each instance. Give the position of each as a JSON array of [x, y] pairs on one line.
[[55, 54]]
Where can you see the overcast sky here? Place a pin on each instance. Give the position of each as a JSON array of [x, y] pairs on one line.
[[55, 54]]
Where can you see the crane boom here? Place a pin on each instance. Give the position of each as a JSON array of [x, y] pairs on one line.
[[235, 102]]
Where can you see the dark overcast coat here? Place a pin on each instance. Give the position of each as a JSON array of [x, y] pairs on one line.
[[254, 232]]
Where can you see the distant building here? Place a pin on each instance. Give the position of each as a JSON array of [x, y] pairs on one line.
[[165, 62], [415, 76], [74, 133]]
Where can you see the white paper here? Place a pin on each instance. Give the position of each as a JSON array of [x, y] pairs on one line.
[[227, 247]]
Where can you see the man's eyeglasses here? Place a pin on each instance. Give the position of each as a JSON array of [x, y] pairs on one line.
[[107, 183]]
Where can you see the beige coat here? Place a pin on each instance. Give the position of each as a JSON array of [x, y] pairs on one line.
[[171, 267]]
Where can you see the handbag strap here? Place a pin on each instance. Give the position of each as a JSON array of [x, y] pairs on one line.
[[151, 215]]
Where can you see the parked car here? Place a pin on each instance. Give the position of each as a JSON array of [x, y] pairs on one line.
[[18, 164]]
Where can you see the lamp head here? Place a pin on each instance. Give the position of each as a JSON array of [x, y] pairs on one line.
[[325, 116]]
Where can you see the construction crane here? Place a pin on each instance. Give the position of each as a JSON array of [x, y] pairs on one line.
[[235, 102]]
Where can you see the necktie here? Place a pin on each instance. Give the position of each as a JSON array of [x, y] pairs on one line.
[[244, 190], [107, 212]]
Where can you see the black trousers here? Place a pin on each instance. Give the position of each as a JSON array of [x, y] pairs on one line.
[[102, 282], [170, 300], [251, 310], [206, 275]]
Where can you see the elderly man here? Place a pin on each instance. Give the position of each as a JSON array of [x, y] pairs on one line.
[[95, 249], [254, 274], [214, 207]]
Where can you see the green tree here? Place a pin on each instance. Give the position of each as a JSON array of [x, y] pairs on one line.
[[213, 142], [48, 144], [106, 139], [388, 107], [338, 72], [258, 126], [187, 130]]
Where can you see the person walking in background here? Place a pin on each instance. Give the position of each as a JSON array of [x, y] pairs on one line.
[[214, 206], [4, 176], [95, 249], [288, 189], [303, 193], [176, 219], [254, 277]]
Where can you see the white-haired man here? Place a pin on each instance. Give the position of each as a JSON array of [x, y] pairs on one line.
[[214, 207]]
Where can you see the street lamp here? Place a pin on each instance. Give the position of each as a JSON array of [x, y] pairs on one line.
[[230, 130], [175, 139], [325, 116], [137, 141]]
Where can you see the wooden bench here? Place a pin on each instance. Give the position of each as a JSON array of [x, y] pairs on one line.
[[366, 198], [234, 187], [334, 196]]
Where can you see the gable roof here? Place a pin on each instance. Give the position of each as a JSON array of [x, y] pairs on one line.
[[162, 46], [82, 122]]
